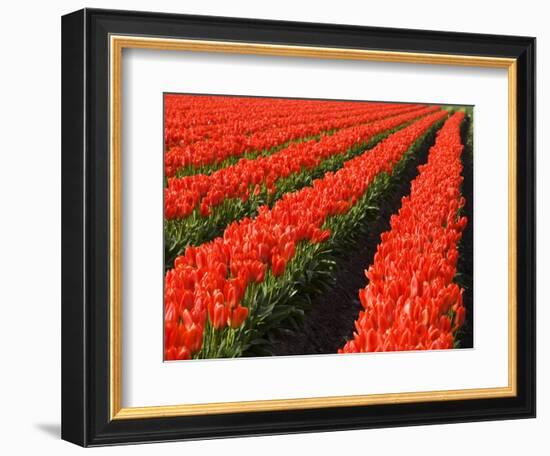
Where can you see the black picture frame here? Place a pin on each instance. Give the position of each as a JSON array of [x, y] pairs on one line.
[[85, 228]]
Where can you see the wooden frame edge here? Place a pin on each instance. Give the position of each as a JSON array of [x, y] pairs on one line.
[[116, 45], [512, 227], [115, 263], [309, 403]]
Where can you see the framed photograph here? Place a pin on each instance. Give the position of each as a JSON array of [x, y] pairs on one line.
[[279, 227]]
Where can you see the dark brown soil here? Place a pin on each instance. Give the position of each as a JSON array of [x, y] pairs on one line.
[[329, 323]]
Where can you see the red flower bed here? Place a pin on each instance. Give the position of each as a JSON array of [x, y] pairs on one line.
[[411, 301], [194, 118], [204, 290], [228, 143], [185, 194]]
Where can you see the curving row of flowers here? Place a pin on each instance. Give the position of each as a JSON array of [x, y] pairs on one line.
[[211, 298], [411, 301], [213, 152], [183, 195], [192, 119]]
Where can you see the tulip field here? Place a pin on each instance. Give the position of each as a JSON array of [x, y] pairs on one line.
[[299, 227]]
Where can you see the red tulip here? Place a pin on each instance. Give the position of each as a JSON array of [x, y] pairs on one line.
[[459, 318], [289, 250], [238, 316], [319, 236], [278, 265], [194, 338], [233, 294], [205, 209], [219, 319]]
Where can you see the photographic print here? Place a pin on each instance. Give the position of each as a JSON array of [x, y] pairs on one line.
[[301, 227], [309, 215]]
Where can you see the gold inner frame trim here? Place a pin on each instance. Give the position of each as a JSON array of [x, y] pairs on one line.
[[116, 46]]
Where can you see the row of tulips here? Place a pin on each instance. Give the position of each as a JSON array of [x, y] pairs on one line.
[[203, 156], [204, 192], [411, 301], [192, 111], [220, 295], [189, 121], [268, 122]]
